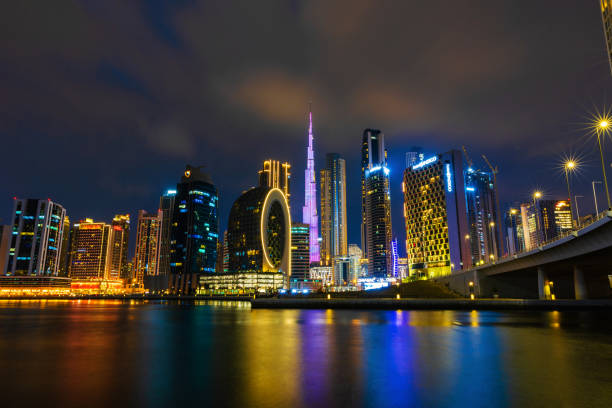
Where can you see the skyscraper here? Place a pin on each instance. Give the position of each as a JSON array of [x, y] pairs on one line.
[[300, 252], [166, 205], [437, 234], [148, 234], [333, 209], [482, 216], [37, 235], [529, 225], [193, 246], [606, 18], [375, 203], [275, 174], [89, 250], [118, 247], [309, 212], [394, 259]]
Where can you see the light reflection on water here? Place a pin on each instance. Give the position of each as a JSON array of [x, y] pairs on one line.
[[104, 353]]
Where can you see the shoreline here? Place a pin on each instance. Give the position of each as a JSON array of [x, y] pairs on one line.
[[364, 303]]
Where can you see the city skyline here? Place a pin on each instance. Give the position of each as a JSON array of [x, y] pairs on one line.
[[485, 115]]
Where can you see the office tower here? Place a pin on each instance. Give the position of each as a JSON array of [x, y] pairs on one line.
[[193, 246], [356, 255], [394, 259], [89, 250], [563, 217], [118, 242], [529, 225], [482, 216], [225, 253], [309, 212], [64, 262], [148, 240], [166, 205], [514, 231], [37, 234], [342, 272], [5, 242], [300, 252], [259, 233], [606, 18], [376, 204], [333, 209], [275, 174], [437, 234]]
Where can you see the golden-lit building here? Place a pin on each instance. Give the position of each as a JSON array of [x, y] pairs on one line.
[[89, 250], [148, 234], [333, 209], [563, 216], [275, 174], [437, 234]]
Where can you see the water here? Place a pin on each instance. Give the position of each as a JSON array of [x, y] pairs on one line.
[[112, 353]]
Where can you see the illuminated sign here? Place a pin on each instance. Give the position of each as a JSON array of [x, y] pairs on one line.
[[425, 163], [91, 226], [171, 192], [375, 169], [449, 181], [470, 189]]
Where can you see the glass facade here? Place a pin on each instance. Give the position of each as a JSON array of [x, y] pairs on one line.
[[376, 204], [148, 233], [194, 236], [333, 209], [300, 253]]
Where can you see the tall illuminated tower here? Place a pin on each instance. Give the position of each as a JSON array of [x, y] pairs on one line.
[[333, 209], [376, 204], [309, 212]]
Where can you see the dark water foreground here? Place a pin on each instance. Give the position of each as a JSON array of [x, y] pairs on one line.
[[92, 353]]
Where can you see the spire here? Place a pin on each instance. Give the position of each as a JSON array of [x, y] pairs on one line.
[[309, 211]]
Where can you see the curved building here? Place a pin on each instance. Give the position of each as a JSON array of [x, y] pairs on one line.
[[259, 233]]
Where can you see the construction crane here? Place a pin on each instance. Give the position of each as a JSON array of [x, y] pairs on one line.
[[495, 170], [467, 157]]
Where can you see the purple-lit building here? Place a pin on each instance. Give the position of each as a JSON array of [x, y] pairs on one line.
[[309, 212]]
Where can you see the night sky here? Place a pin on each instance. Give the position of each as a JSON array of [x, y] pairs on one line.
[[104, 102]]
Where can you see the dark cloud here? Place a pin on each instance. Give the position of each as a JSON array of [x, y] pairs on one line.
[[102, 103]]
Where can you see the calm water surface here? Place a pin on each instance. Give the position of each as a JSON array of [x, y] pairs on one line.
[[112, 353]]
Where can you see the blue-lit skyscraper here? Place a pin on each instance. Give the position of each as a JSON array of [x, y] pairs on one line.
[[376, 203], [394, 259], [482, 216], [194, 235]]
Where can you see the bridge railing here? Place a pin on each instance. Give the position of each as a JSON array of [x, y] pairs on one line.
[[558, 237]]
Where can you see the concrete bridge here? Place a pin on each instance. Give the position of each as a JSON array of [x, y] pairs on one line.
[[576, 266]]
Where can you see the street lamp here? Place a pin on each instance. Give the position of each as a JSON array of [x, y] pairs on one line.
[[536, 196], [577, 212], [569, 165], [603, 126], [595, 197]]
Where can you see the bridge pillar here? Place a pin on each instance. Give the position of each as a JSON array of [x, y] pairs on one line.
[[580, 289], [543, 288]]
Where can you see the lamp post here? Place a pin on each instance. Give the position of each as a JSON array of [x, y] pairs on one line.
[[595, 197], [569, 165], [577, 212], [536, 196], [603, 127]]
